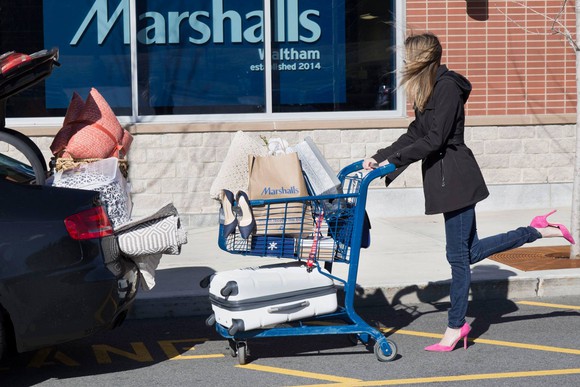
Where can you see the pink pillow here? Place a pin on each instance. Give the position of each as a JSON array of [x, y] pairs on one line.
[[126, 142], [63, 136], [91, 130]]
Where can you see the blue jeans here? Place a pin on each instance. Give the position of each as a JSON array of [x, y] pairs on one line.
[[464, 248]]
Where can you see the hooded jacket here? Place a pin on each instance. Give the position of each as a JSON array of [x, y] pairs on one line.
[[451, 176]]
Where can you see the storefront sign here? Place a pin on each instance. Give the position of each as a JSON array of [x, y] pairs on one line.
[[198, 52]]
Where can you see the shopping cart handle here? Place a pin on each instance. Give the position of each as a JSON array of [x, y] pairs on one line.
[[358, 165], [385, 169]]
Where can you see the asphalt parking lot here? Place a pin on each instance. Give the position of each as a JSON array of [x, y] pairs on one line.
[[513, 342]]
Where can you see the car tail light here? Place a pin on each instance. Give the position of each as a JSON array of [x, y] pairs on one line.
[[89, 224]]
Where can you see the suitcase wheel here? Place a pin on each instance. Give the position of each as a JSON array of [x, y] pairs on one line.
[[237, 326], [205, 281], [210, 320], [230, 289]]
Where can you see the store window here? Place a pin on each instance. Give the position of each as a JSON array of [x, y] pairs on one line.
[[208, 56], [345, 62], [200, 57]]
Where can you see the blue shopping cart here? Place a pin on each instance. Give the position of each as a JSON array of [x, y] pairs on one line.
[[321, 231]]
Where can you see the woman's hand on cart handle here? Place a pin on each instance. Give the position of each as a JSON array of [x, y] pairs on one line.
[[371, 163]]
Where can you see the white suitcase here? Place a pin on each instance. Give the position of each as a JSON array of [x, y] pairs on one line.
[[252, 298]]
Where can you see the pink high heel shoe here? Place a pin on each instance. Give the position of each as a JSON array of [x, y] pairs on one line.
[[541, 221], [465, 329]]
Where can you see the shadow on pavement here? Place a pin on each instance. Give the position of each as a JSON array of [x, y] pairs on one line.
[[490, 284]]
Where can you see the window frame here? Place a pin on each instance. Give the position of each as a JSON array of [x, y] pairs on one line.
[[268, 115]]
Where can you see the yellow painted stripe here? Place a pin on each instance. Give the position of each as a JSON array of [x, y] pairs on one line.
[[302, 374], [412, 333], [190, 357], [534, 347], [500, 343], [555, 306], [458, 378]]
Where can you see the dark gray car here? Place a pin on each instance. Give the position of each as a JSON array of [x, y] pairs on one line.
[[62, 276]]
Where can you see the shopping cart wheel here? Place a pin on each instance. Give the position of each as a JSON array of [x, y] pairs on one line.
[[233, 347], [381, 354], [242, 352]]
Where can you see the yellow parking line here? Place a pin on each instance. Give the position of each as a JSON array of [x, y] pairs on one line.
[[534, 347], [458, 378], [351, 382], [302, 374], [193, 357], [342, 381], [500, 343], [555, 306], [411, 333]]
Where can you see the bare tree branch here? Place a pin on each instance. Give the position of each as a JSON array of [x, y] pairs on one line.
[[557, 18], [566, 32], [557, 28]]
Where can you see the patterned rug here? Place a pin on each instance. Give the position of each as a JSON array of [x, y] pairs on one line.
[[538, 258]]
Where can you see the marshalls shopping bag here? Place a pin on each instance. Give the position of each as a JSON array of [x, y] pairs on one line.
[[275, 177]]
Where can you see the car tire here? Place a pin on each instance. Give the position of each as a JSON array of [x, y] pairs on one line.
[[29, 150]]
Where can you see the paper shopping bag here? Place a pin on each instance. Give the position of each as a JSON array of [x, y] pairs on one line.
[[276, 177], [273, 177]]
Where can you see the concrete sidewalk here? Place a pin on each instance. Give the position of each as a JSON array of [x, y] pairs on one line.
[[405, 264]]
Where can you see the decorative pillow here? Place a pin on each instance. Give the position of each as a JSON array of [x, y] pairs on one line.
[[63, 136], [91, 130], [126, 142], [160, 233]]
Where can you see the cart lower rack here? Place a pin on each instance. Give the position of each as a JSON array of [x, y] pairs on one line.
[[317, 232]]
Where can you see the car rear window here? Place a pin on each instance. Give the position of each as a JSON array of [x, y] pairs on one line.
[[14, 170]]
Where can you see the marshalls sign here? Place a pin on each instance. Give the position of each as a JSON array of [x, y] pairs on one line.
[[198, 52]]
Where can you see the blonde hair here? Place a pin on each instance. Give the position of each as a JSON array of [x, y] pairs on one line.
[[423, 57]]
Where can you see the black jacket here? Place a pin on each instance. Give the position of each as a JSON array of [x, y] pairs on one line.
[[451, 177]]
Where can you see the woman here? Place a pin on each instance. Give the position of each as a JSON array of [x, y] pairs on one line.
[[452, 180]]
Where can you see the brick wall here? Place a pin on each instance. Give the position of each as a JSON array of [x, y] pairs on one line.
[[516, 64]]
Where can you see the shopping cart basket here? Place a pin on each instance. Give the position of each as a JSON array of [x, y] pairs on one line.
[[325, 230]]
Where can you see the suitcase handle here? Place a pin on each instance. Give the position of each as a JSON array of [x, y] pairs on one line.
[[285, 308]]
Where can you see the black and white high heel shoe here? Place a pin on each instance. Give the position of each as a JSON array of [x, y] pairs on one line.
[[247, 223], [230, 219]]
